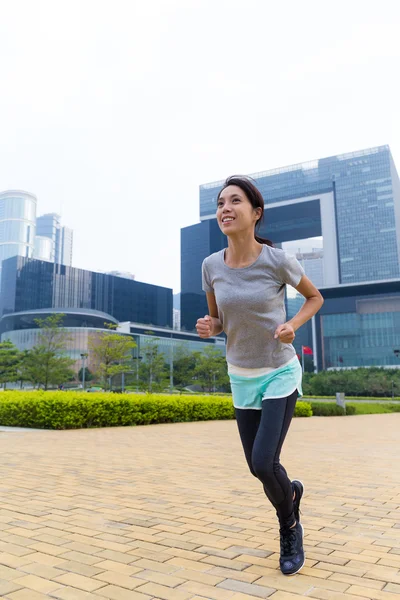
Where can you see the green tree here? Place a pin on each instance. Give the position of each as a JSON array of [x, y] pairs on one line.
[[211, 371], [46, 363], [88, 374], [184, 366], [112, 353], [43, 367], [372, 381], [10, 360], [153, 371], [21, 367]]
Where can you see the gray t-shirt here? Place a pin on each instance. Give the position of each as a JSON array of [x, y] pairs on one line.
[[251, 304]]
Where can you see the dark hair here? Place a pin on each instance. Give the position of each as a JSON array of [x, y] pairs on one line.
[[253, 195]]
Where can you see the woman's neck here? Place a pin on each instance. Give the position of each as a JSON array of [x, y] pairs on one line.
[[242, 251]]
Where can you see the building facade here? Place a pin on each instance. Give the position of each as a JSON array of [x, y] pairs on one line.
[[313, 265], [351, 200], [84, 326], [358, 326], [17, 224], [49, 226], [80, 325], [29, 284], [66, 247], [169, 341], [43, 248]]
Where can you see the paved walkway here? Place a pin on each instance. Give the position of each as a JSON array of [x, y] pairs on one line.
[[170, 512]]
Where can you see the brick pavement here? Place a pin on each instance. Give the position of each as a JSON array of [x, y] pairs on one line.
[[171, 512]]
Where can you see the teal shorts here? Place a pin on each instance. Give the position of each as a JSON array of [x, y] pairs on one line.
[[249, 392]]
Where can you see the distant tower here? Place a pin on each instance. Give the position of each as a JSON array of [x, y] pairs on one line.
[[49, 226], [17, 224], [43, 248]]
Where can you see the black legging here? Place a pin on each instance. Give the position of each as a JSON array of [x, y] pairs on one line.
[[262, 433]]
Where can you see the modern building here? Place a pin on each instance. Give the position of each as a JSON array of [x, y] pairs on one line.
[[49, 226], [124, 274], [176, 318], [29, 284], [43, 248], [313, 265], [169, 341], [83, 326], [80, 325], [17, 224], [358, 326], [351, 200], [67, 240]]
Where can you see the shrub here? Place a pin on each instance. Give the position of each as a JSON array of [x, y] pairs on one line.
[[303, 409], [368, 408], [330, 409], [72, 410]]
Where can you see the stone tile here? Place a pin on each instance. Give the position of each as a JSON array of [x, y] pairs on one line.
[[97, 514]]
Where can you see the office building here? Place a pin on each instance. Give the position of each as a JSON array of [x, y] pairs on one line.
[[66, 246], [17, 224], [49, 226], [313, 265], [351, 200], [169, 341], [29, 284], [358, 326], [176, 318], [80, 325], [83, 327], [43, 248], [124, 274]]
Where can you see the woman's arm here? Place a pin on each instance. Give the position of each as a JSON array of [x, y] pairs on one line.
[[210, 325], [311, 306]]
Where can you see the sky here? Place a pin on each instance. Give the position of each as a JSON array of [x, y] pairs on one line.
[[114, 112]]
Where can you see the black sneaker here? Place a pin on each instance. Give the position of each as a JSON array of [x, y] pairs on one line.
[[292, 554], [298, 489]]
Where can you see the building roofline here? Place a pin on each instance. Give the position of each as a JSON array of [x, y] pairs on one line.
[[305, 166], [6, 192], [165, 329], [72, 311], [360, 283]]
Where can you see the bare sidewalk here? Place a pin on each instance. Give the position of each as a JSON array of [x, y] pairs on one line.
[[170, 512]]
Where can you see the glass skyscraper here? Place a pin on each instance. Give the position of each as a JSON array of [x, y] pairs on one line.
[[17, 224], [29, 284], [49, 226], [351, 200], [359, 326]]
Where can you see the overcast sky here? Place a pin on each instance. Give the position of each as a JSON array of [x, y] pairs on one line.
[[113, 112]]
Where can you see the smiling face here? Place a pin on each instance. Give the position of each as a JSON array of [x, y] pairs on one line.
[[235, 214]]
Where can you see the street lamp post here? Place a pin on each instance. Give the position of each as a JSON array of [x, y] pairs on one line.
[[171, 367], [137, 358], [84, 356], [396, 352]]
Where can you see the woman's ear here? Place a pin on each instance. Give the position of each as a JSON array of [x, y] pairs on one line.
[[258, 212]]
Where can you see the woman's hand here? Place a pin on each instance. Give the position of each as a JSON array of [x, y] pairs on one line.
[[285, 333], [205, 327]]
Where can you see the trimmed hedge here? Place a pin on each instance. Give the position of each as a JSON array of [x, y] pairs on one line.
[[331, 409], [303, 409], [368, 408], [307, 397], [74, 410]]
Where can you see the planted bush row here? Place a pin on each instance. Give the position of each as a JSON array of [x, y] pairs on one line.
[[71, 410], [75, 410]]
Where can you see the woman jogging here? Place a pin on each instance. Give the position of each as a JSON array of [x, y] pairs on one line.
[[245, 287]]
